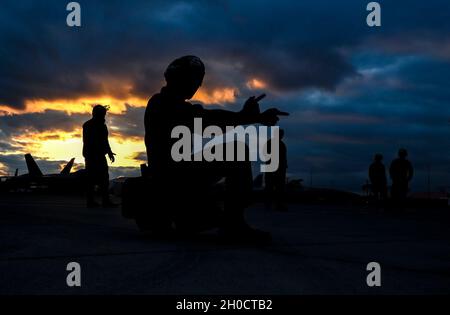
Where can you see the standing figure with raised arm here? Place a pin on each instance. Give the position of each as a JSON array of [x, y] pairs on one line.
[[95, 147]]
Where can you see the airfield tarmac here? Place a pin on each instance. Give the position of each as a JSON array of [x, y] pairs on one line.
[[317, 249]]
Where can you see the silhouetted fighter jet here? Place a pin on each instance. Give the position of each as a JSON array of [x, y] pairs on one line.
[[35, 179]]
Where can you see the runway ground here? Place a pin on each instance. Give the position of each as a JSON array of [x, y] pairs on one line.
[[316, 250]]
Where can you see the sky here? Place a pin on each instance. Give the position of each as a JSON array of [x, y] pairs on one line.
[[352, 90]]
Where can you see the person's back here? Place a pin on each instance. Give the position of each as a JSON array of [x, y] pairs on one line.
[[401, 170], [162, 114], [377, 175], [95, 139]]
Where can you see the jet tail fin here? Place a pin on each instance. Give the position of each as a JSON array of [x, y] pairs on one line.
[[16, 173], [66, 170], [33, 168]]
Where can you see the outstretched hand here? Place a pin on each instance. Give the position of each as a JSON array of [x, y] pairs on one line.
[[251, 106], [111, 157], [270, 116]]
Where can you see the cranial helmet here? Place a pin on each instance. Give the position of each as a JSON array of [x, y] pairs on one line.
[[187, 67], [99, 110], [402, 153]]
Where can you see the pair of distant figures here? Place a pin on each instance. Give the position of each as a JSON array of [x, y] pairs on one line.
[[401, 173], [183, 182]]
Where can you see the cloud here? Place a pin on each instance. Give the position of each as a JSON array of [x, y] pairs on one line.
[[129, 123], [337, 139], [352, 90], [125, 51], [140, 157], [289, 45], [7, 147], [115, 172], [49, 120]]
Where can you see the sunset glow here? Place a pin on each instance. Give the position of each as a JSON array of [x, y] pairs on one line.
[[84, 105], [62, 145]]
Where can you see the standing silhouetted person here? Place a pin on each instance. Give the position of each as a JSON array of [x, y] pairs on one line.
[[188, 183], [377, 176], [275, 182], [95, 147], [401, 172]]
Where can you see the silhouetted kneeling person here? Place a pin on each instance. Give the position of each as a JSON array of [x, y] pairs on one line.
[[95, 147], [377, 176], [186, 183], [401, 172]]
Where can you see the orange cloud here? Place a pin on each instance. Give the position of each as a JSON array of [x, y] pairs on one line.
[[84, 105], [3, 170], [216, 96], [60, 145], [256, 84], [6, 110], [49, 135], [75, 106]]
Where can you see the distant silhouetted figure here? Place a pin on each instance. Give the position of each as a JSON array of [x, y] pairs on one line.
[[95, 147], [275, 182], [188, 184], [377, 176], [401, 172]]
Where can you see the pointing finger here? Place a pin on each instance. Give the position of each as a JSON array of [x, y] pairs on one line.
[[259, 98]]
